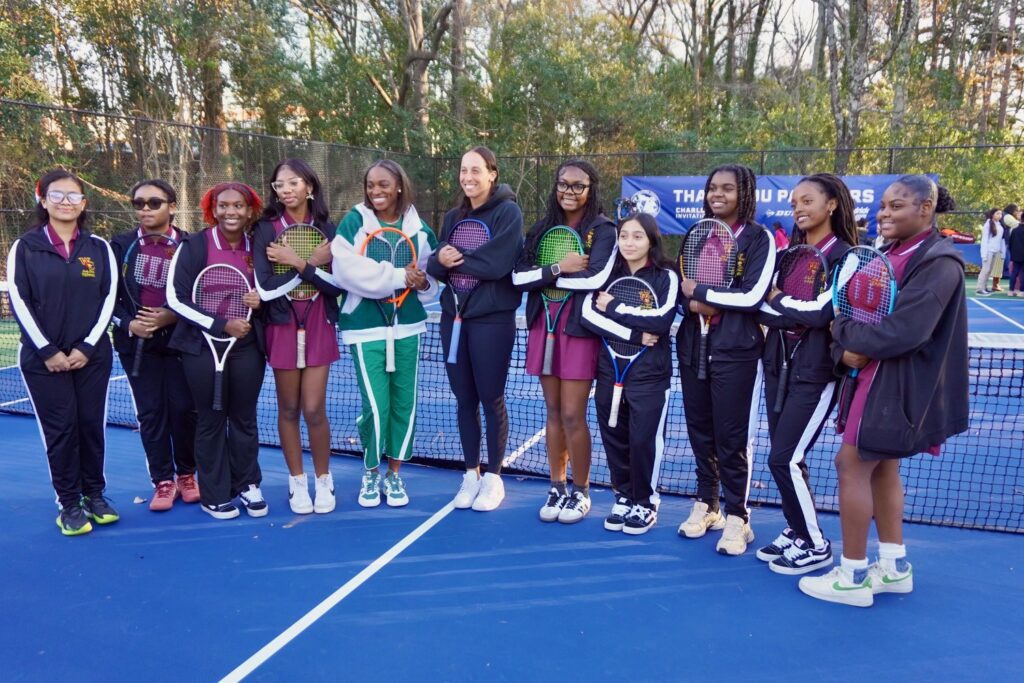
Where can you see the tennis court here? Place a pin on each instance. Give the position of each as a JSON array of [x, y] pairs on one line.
[[428, 593]]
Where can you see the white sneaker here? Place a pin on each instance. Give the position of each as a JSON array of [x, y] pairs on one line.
[[842, 586], [736, 536], [394, 490], [553, 505], [492, 492], [898, 577], [298, 495], [369, 492], [700, 520], [468, 490], [575, 509], [325, 502], [252, 500]]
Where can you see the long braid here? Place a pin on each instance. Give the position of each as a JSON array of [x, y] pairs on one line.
[[843, 221], [746, 191]]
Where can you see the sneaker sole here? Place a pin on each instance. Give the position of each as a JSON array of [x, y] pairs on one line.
[[614, 526], [161, 507], [257, 513], [84, 529], [549, 518], [104, 520], [482, 508], [369, 503], [767, 557], [401, 502], [796, 571], [221, 515], [898, 588], [853, 599], [635, 531], [573, 521], [301, 511]]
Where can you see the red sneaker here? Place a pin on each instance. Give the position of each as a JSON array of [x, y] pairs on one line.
[[188, 488], [163, 497]]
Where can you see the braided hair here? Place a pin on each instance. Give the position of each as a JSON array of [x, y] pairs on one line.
[[746, 192], [555, 215], [843, 223]]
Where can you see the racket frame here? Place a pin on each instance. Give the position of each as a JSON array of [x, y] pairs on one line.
[[548, 296], [399, 296], [616, 358], [300, 320], [705, 320], [461, 300], [219, 360], [140, 342]]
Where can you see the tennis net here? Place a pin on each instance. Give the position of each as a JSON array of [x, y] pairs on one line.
[[977, 482]]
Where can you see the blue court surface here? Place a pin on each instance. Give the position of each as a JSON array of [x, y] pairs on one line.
[[470, 596]]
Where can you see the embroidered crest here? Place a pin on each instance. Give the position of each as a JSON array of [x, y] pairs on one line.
[[741, 261], [589, 240], [88, 267], [646, 302]]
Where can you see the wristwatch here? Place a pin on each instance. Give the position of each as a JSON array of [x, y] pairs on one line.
[[556, 269]]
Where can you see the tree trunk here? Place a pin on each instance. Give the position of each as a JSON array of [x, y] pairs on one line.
[[750, 61], [1011, 49], [458, 69], [990, 68]]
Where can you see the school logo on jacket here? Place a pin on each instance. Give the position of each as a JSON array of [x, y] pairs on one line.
[[741, 261], [589, 240], [646, 302], [88, 267]]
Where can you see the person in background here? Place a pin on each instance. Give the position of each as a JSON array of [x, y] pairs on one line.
[[781, 238], [992, 247], [1015, 249], [863, 238], [1011, 219]]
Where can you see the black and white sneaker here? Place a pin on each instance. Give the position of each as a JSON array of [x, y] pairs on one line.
[[616, 519], [774, 550], [639, 520], [252, 501], [553, 505], [801, 558], [222, 511]]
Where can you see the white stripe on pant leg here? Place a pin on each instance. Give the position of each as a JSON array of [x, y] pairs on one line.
[[752, 425], [39, 424], [405, 449], [373, 402], [659, 452], [803, 493]]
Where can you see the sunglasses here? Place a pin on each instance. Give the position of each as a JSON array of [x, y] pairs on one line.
[[56, 197], [153, 203]]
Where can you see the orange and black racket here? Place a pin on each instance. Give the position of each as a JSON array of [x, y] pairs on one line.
[[395, 247]]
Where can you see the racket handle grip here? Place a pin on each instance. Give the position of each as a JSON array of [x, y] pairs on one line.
[[613, 416], [780, 392], [217, 385], [453, 347], [389, 349], [846, 392], [702, 358], [140, 347], [549, 353], [300, 349]]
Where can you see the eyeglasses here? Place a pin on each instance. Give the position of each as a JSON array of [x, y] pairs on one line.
[[293, 184], [153, 203], [575, 188], [56, 197]]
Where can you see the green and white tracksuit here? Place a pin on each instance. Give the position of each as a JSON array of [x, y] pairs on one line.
[[388, 419]]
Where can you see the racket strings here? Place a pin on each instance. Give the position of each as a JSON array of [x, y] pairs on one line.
[[466, 236], [801, 275], [866, 295], [555, 245], [635, 293], [221, 293], [303, 239], [709, 255]]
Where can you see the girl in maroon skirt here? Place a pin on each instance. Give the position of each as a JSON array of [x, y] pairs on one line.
[[575, 202], [295, 196]]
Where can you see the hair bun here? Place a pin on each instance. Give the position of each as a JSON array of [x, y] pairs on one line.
[[945, 202]]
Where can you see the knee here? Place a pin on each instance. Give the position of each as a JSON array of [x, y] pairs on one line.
[[288, 411], [572, 422], [315, 415]]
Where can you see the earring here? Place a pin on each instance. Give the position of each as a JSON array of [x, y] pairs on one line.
[[399, 190], [309, 196]]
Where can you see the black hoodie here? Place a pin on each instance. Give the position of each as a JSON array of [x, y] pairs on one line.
[[919, 396], [495, 297]]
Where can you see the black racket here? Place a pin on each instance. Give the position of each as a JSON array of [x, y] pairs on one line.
[[144, 274], [802, 274]]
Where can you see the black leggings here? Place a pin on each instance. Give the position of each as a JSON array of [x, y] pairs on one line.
[[478, 377]]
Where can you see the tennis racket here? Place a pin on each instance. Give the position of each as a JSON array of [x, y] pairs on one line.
[[864, 290], [218, 291], [802, 274], [554, 245], [303, 239], [466, 236], [144, 273], [708, 256], [636, 293], [392, 246]]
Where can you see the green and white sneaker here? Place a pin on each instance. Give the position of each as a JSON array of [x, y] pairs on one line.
[[891, 576], [369, 494], [394, 490], [842, 586]]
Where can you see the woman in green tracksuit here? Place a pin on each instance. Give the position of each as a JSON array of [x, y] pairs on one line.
[[388, 417]]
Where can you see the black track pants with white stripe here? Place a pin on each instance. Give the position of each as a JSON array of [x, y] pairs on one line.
[[793, 432], [636, 445], [71, 409], [718, 422]]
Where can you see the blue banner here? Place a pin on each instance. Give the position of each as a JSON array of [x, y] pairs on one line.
[[678, 201]]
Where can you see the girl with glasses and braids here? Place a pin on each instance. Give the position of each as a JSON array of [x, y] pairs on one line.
[[296, 196], [63, 282], [798, 334], [163, 403], [574, 201], [719, 408]]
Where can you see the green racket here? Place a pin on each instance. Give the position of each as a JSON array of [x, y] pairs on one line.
[[303, 239], [555, 244]]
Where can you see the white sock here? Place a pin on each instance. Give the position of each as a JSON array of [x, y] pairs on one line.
[[852, 565], [888, 553]]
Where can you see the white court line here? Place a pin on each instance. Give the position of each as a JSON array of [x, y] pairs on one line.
[[11, 403], [992, 310], [311, 617]]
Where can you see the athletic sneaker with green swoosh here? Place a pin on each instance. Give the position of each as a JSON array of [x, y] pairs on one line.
[[841, 586], [898, 578]]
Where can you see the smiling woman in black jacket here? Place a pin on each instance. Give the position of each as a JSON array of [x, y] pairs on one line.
[[489, 321], [911, 395]]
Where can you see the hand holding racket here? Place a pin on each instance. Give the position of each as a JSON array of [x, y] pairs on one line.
[[554, 246], [296, 246], [636, 293], [802, 274], [864, 290], [465, 237], [707, 257], [392, 246], [144, 274], [221, 292]]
